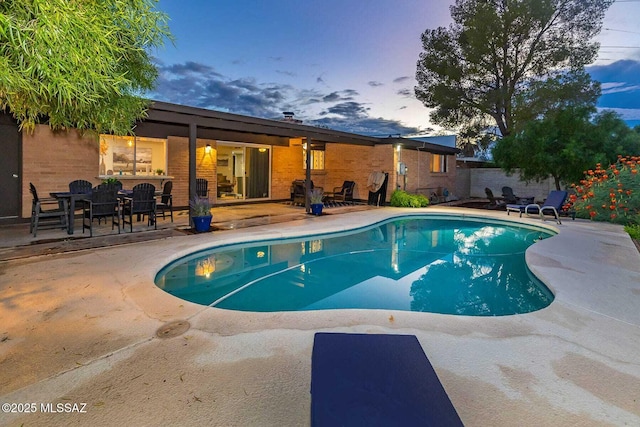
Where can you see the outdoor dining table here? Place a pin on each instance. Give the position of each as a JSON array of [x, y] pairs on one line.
[[71, 198]]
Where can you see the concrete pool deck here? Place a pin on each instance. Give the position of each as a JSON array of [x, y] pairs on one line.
[[81, 328]]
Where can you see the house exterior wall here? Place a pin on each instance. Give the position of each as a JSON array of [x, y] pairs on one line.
[[178, 167], [419, 179], [51, 160]]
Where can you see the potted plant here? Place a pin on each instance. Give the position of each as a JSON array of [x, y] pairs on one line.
[[201, 213], [315, 200], [159, 171]]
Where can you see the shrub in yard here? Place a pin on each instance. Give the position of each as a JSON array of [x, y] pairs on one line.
[[633, 230], [611, 194], [403, 199]]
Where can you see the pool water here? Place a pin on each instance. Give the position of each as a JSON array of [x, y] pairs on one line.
[[438, 265]]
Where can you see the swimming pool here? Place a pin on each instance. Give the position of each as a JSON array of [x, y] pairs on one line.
[[418, 263]]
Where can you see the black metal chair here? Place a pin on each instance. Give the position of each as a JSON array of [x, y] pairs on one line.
[[80, 186], [54, 217], [166, 200], [202, 187], [344, 193], [103, 203], [141, 202]]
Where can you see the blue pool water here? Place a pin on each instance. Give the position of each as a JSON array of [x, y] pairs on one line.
[[438, 265]]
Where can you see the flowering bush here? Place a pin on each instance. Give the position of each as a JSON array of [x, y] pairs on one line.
[[611, 194]]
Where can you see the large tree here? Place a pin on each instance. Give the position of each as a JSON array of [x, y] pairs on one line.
[[78, 64], [502, 59], [565, 143]]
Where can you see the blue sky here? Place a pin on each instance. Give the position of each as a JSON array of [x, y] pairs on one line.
[[345, 64]]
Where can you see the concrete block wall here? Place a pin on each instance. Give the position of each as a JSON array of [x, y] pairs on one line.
[[495, 179], [51, 160]]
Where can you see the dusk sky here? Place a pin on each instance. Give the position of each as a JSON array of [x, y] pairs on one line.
[[346, 64]]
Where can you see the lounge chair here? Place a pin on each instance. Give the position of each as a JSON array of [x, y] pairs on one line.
[[551, 206], [375, 379], [494, 202]]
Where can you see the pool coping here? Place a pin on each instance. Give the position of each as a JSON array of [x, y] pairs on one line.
[[572, 362]]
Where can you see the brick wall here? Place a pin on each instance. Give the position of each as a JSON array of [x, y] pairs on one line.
[[51, 160], [178, 167]]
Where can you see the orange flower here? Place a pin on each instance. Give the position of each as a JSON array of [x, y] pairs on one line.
[[592, 214], [613, 216], [634, 171], [612, 207]]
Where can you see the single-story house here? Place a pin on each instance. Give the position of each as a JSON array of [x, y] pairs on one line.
[[244, 159]]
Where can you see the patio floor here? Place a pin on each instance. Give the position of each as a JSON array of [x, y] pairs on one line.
[[82, 327]]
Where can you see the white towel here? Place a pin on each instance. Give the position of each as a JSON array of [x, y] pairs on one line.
[[375, 181]]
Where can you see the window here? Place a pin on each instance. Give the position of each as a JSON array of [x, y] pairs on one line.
[[438, 163], [317, 157], [132, 155]]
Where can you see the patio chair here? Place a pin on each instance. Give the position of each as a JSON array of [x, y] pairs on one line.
[[202, 187], [56, 216], [344, 193], [552, 206], [508, 196], [141, 202], [494, 202], [298, 191], [166, 200], [80, 186], [376, 379], [102, 203]]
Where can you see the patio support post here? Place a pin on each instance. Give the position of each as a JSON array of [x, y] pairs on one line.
[[193, 135], [307, 182]]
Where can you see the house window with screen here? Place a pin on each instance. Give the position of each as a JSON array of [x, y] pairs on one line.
[[132, 155], [438, 163], [317, 157]]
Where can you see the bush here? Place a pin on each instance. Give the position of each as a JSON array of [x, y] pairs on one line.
[[633, 230], [402, 199], [611, 194]]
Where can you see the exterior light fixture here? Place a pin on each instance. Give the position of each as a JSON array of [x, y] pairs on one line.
[[207, 148], [398, 148]]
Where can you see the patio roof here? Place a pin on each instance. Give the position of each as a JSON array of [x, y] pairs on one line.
[[166, 119]]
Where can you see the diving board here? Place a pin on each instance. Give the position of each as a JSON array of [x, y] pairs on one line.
[[375, 380]]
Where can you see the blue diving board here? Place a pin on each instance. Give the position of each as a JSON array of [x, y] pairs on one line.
[[375, 380]]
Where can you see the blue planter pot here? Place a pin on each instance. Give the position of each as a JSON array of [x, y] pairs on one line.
[[316, 209], [202, 223]]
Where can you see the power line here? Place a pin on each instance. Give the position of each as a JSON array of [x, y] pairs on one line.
[[622, 31]]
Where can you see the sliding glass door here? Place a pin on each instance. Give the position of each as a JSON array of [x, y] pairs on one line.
[[243, 171]]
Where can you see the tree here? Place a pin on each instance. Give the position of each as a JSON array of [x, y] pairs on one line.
[[504, 58], [78, 64], [565, 143]]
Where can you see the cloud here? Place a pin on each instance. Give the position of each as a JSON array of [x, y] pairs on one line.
[[375, 84], [200, 85], [401, 79], [286, 73], [405, 92], [620, 84]]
